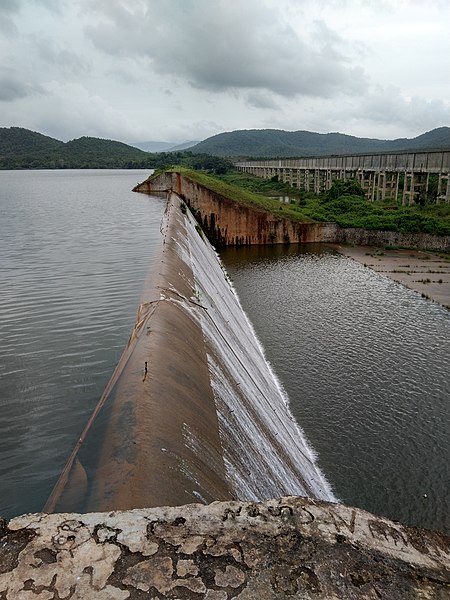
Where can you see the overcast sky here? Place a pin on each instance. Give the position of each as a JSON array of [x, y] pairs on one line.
[[176, 70]]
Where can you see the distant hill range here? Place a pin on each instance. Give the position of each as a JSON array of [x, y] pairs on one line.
[[163, 146], [276, 143], [24, 149]]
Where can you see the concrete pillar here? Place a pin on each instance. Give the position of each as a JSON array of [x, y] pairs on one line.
[[405, 188], [317, 181], [373, 182]]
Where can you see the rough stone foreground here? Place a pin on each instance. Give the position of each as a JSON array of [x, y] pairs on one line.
[[283, 548]]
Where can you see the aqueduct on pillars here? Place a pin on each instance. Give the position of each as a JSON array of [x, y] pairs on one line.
[[383, 176]]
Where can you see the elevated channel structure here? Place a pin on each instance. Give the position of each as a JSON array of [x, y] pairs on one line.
[[382, 175]]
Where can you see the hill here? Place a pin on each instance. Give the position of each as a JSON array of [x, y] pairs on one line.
[[164, 146], [17, 141], [277, 143], [183, 146], [153, 146], [24, 149]]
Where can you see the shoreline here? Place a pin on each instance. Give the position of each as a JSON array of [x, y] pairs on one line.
[[425, 272]]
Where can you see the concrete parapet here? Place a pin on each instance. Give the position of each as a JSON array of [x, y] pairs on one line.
[[285, 548]]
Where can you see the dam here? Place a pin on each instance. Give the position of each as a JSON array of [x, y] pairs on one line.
[[195, 415], [195, 412]]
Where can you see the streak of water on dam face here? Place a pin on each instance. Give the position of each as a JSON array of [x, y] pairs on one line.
[[75, 250], [265, 452], [366, 365]]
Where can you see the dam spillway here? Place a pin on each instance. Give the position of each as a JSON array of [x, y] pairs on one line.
[[193, 412], [163, 440]]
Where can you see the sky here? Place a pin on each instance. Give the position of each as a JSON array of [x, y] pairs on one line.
[[178, 70]]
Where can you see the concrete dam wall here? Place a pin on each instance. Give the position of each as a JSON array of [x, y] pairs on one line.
[[227, 223], [194, 412]]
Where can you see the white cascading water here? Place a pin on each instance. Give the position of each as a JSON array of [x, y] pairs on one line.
[[265, 452]]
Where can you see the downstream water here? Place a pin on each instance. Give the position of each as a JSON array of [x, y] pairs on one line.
[[75, 249], [366, 364]]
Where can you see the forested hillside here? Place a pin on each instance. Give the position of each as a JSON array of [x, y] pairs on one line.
[[276, 143], [24, 149]]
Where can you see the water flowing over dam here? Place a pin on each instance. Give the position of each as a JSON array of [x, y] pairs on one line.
[[193, 411]]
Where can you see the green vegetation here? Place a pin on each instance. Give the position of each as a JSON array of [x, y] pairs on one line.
[[189, 160], [345, 204], [267, 187]]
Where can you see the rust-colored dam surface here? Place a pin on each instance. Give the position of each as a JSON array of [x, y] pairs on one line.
[[193, 411]]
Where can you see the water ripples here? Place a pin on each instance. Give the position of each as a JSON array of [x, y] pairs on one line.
[[365, 363], [76, 247]]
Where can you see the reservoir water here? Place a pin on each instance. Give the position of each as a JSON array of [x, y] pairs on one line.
[[366, 364], [75, 249], [364, 361]]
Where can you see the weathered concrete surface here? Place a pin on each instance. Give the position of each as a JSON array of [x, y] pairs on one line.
[[227, 223], [284, 548]]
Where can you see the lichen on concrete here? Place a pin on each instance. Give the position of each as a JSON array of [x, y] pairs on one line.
[[285, 548]]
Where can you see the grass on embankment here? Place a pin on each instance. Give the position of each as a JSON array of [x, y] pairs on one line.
[[356, 211], [241, 195]]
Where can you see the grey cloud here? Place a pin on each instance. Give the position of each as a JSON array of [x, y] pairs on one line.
[[63, 59], [7, 9], [12, 88], [385, 106], [224, 46], [7, 26], [259, 99], [10, 6], [13, 6]]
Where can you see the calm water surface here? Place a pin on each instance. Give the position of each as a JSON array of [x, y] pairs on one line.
[[75, 248], [366, 365]]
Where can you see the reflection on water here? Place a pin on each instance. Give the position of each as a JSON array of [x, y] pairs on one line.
[[365, 363], [76, 247]]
